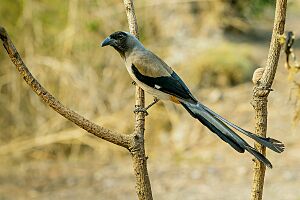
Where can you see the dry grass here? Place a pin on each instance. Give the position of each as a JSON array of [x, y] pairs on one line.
[[60, 45]]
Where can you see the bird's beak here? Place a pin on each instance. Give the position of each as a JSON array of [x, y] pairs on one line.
[[106, 42]]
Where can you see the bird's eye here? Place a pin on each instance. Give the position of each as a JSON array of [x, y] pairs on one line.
[[120, 36]]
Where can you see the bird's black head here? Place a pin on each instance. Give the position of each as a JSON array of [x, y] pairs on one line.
[[118, 40]]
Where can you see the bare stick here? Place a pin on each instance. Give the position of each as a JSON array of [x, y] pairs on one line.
[[101, 132], [143, 186], [260, 96]]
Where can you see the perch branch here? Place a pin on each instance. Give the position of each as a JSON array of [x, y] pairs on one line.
[[260, 95], [101, 132], [143, 186]]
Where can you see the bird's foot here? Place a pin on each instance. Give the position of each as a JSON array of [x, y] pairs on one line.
[[140, 109], [155, 100], [144, 110]]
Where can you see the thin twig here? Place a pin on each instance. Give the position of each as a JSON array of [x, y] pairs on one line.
[[260, 95], [99, 131]]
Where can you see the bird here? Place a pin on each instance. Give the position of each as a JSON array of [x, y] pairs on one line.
[[155, 77]]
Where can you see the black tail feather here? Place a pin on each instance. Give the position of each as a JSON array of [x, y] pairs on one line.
[[216, 125], [259, 156], [211, 127], [271, 143]]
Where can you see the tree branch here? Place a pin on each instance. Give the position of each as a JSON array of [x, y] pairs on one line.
[[143, 186], [260, 95], [101, 132]]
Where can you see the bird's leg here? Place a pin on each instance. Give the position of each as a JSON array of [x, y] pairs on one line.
[[139, 109], [155, 100]]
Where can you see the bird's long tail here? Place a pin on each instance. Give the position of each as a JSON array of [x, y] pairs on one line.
[[220, 126]]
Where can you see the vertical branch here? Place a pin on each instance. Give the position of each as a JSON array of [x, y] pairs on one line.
[[260, 96], [143, 186]]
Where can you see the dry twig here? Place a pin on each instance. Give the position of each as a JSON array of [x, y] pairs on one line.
[[260, 95]]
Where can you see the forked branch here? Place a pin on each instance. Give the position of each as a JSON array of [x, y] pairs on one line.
[[133, 142]]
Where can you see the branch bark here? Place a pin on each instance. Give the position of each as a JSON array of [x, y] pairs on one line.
[[260, 96], [99, 131], [139, 158], [134, 142]]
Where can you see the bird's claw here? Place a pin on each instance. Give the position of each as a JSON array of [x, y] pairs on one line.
[[133, 83], [140, 109]]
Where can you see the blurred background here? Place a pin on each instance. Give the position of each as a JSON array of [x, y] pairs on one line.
[[214, 45]]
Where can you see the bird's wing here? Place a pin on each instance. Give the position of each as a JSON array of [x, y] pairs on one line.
[[155, 73]]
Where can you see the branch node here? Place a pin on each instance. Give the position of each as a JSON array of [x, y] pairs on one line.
[[136, 137], [261, 91], [257, 74], [136, 143]]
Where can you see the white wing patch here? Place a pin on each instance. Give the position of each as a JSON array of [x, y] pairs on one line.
[[157, 87]]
